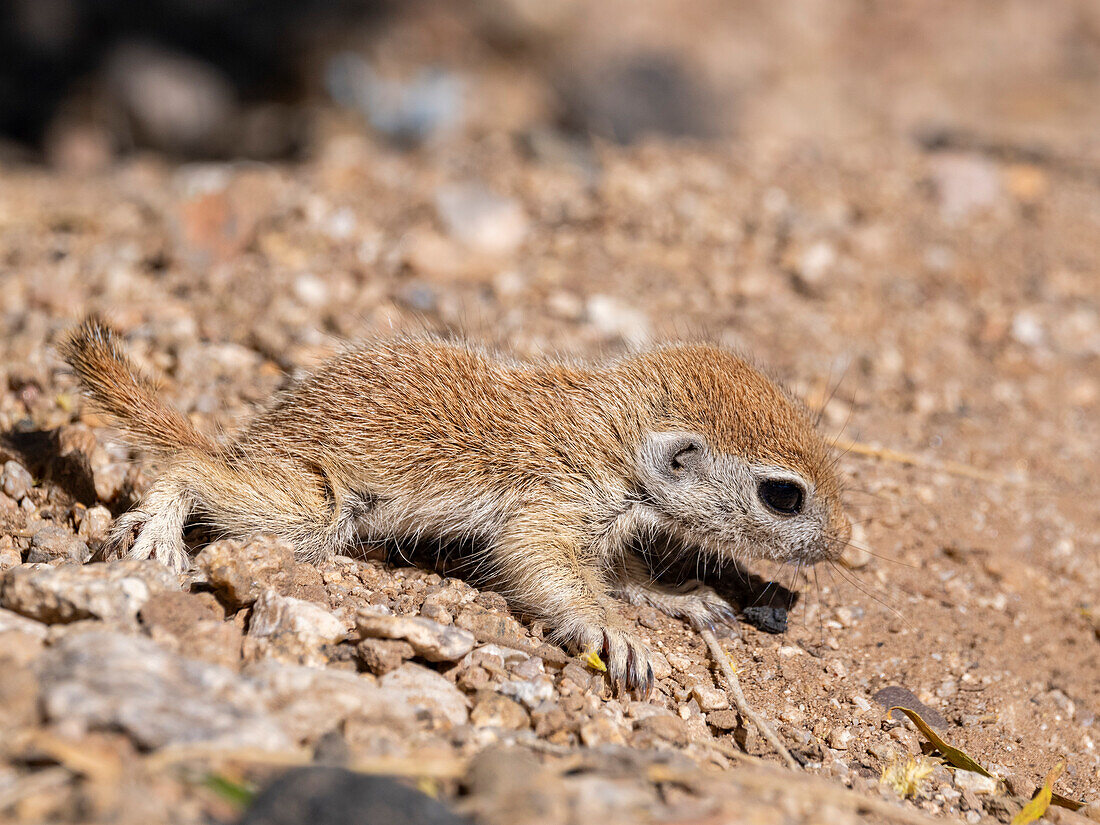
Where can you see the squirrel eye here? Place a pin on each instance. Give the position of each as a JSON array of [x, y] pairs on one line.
[[782, 496]]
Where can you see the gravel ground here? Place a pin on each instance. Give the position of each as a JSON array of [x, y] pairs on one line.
[[940, 304]]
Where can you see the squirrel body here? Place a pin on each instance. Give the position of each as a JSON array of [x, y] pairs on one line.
[[555, 471]]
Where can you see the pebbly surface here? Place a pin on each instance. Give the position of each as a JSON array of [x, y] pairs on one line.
[[938, 303]]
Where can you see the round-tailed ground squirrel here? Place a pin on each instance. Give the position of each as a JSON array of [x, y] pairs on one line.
[[555, 472]]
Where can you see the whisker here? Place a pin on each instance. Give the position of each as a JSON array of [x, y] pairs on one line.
[[850, 579]]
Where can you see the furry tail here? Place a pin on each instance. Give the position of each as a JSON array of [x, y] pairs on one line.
[[118, 388]]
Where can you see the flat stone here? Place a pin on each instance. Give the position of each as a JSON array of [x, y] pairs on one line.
[[102, 680], [976, 783], [495, 710], [12, 621], [481, 219], [709, 697], [430, 640], [897, 696], [55, 543], [427, 691], [383, 655], [529, 692], [724, 719], [113, 591], [308, 702], [192, 624], [668, 728], [15, 480], [240, 572], [275, 615]]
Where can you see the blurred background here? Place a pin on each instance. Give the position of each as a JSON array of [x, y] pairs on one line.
[[84, 80]]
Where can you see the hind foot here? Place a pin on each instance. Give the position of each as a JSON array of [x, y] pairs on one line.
[[695, 603], [137, 535]]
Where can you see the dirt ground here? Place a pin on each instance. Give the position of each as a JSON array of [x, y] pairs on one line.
[[939, 300]]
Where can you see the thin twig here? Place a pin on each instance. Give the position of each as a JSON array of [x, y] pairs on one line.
[[954, 468], [743, 707]]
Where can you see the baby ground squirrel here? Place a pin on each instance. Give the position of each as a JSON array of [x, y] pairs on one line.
[[556, 472]]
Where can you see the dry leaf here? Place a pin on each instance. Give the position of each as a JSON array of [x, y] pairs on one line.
[[1039, 803], [953, 755]]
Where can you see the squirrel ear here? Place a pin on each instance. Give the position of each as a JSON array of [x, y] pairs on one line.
[[675, 456]]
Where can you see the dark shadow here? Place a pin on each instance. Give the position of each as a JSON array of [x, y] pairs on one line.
[[40, 452]]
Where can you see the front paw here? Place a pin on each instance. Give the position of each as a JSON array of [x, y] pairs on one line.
[[624, 654]]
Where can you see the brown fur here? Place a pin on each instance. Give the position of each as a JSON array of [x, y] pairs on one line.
[[554, 471]]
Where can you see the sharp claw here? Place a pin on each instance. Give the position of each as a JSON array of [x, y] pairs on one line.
[[648, 681]]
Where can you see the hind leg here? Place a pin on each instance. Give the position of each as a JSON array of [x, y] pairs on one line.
[[693, 601], [154, 530]]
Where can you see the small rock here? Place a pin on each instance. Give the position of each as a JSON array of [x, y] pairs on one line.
[[193, 624], [275, 615], [965, 184], [668, 728], [613, 318], [709, 697], [406, 110], [1064, 703], [724, 719], [529, 692], [896, 696], [846, 616], [383, 655], [172, 99], [68, 593], [975, 782], [495, 710], [602, 731], [661, 667], [307, 702], [678, 662], [766, 618], [487, 624], [839, 738], [424, 689], [855, 554], [10, 621], [9, 555], [109, 478], [792, 716], [311, 290], [55, 543], [854, 557], [238, 572], [15, 480], [95, 523], [1027, 329], [816, 262], [430, 640], [480, 219]]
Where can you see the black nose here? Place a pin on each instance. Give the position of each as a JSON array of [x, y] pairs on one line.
[[782, 496]]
